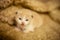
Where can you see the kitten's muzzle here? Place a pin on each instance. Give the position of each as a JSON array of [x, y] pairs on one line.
[[22, 24]]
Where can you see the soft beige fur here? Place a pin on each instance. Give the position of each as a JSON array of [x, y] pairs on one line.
[[49, 30], [36, 5], [39, 5]]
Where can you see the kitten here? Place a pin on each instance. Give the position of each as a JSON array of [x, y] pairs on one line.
[[27, 21]]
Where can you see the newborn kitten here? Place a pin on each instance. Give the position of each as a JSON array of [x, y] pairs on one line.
[[27, 20]]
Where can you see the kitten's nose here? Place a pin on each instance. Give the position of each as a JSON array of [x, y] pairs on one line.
[[22, 23]]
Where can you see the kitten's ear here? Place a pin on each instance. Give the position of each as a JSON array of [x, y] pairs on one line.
[[16, 12], [32, 16]]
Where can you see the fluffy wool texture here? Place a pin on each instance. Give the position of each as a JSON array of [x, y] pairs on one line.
[[49, 30], [35, 5]]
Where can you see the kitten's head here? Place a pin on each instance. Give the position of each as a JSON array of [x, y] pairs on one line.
[[23, 19]]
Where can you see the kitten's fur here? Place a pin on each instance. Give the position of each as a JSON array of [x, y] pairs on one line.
[[27, 20]]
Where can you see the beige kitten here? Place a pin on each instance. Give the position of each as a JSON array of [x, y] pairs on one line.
[[27, 21]]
